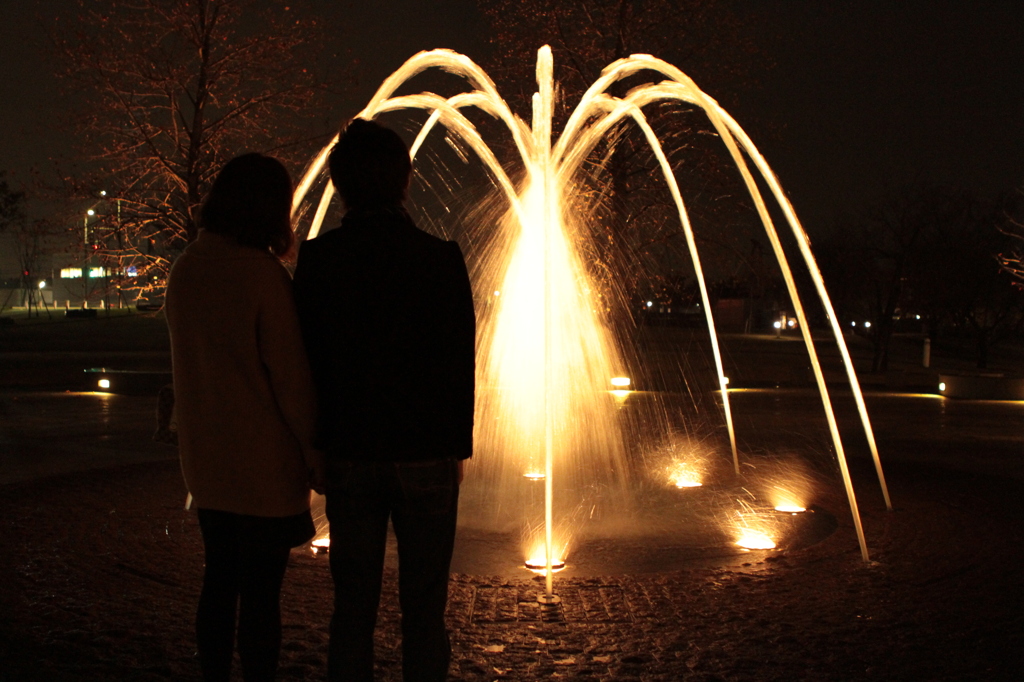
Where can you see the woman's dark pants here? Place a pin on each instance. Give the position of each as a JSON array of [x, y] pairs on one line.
[[242, 579], [421, 499]]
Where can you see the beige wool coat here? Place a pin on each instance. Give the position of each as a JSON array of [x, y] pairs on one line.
[[243, 393]]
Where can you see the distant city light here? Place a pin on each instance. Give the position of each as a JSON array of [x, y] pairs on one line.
[[91, 212], [867, 325], [942, 385], [104, 383], [650, 303], [42, 285], [777, 325]]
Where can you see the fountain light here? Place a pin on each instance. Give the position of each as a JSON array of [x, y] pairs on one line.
[[320, 546], [753, 530], [790, 486], [539, 564], [751, 539], [684, 475]]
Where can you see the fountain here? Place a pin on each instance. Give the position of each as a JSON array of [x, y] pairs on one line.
[[547, 410]]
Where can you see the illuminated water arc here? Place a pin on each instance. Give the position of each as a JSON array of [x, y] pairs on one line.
[[682, 88], [628, 108], [819, 284], [726, 132], [688, 91]]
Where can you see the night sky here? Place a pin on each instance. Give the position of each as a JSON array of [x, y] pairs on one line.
[[866, 95]]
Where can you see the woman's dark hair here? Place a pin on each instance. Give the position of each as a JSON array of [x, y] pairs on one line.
[[251, 200], [370, 165]]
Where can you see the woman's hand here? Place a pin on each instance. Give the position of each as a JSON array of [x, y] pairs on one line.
[[317, 463]]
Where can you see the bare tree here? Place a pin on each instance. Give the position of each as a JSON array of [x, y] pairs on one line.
[[1011, 225], [164, 93], [926, 251]]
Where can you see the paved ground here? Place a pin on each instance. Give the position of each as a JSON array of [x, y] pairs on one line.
[[100, 566]]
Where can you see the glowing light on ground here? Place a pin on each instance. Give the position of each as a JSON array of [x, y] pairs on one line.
[[787, 484], [683, 474], [537, 561], [535, 476], [753, 530], [320, 546], [751, 539]]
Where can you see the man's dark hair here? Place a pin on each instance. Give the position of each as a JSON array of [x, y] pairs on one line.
[[251, 200], [370, 165]]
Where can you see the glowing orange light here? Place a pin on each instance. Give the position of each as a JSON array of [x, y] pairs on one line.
[[684, 475], [620, 382], [320, 546], [752, 539], [534, 476], [538, 563], [790, 508]]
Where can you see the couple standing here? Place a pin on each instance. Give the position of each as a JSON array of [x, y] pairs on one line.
[[356, 380]]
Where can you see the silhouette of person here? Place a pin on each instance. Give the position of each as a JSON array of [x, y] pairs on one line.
[[244, 402], [387, 315]]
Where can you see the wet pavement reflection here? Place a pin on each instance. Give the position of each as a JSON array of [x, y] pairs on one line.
[[49, 433]]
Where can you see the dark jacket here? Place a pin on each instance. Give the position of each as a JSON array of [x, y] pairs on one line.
[[387, 317]]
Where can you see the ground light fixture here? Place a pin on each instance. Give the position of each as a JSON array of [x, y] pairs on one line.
[[755, 540], [320, 546], [538, 565], [621, 387]]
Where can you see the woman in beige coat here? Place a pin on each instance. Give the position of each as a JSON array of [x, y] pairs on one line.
[[245, 411]]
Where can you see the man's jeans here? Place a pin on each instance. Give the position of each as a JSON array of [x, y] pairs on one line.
[[422, 501]]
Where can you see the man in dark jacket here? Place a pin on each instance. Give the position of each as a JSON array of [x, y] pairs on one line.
[[387, 316]]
